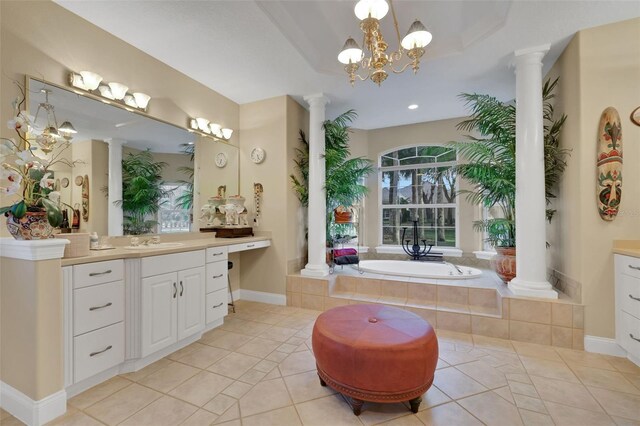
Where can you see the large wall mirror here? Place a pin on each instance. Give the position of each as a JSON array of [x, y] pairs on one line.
[[101, 126]]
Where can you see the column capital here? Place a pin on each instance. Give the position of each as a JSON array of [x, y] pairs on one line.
[[115, 142], [316, 100], [530, 55]]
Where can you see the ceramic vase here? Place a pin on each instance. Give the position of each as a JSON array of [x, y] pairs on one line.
[[504, 263], [32, 226]]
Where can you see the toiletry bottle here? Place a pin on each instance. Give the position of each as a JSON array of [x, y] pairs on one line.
[[93, 240], [64, 226]]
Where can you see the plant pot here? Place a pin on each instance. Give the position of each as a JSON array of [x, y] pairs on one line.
[[32, 226], [504, 263]]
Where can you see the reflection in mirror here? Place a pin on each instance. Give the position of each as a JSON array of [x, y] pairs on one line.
[[115, 148]]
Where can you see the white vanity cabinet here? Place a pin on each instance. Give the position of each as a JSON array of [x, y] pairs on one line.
[[217, 276], [172, 299], [627, 270]]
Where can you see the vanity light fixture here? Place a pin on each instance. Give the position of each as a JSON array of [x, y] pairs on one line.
[[207, 128], [90, 82]]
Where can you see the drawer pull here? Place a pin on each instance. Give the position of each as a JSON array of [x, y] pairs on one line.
[[218, 305], [108, 271], [634, 298], [181, 289], [102, 351], [250, 245], [95, 308], [634, 338], [637, 268], [175, 290], [217, 276], [217, 254]]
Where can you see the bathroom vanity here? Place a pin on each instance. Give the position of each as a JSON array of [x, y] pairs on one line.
[[627, 279]]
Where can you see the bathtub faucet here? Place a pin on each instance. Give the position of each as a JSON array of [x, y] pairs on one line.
[[415, 251]]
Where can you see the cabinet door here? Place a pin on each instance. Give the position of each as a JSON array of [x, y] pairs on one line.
[[159, 312], [191, 299]]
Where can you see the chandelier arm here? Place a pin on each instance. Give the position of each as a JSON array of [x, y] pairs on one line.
[[401, 70], [395, 24]]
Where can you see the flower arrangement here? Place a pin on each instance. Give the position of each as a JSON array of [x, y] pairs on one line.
[[26, 170]]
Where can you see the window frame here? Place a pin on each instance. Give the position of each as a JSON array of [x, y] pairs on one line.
[[388, 248]]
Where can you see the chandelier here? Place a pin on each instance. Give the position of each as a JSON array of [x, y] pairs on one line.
[[52, 133], [370, 12]]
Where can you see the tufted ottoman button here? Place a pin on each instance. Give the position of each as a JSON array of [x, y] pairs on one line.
[[350, 354]]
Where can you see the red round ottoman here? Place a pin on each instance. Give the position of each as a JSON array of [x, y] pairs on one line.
[[375, 353]]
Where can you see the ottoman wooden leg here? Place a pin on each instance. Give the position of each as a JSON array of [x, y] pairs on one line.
[[356, 405], [415, 404]]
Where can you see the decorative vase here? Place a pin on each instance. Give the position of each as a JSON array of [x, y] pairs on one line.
[[32, 226], [504, 263]]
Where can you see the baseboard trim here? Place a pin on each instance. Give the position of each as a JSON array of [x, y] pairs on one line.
[[603, 345], [33, 413], [262, 296]]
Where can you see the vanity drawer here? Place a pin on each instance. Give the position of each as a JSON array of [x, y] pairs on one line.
[[629, 333], [97, 273], [97, 306], [217, 306], [629, 266], [249, 246], [216, 254], [629, 293], [216, 276], [165, 263], [98, 351]]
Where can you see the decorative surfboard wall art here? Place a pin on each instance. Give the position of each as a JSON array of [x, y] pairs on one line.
[[609, 164]]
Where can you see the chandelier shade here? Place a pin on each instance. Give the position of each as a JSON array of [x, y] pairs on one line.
[[376, 9], [417, 36], [67, 127], [351, 52]]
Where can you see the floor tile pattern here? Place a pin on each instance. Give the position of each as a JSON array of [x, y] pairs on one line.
[[258, 369]]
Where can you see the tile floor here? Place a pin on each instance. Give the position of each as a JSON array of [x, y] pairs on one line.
[[258, 369]]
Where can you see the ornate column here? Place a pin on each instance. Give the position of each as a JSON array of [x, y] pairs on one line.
[[531, 264], [114, 210], [317, 217]]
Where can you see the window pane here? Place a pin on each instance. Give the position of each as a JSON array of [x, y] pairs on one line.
[[171, 216]]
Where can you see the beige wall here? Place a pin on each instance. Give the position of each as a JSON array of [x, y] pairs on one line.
[[92, 160], [31, 45], [372, 143], [599, 68]]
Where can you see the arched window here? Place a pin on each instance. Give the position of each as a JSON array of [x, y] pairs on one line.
[[418, 183]]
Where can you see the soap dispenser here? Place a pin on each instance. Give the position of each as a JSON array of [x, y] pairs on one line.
[[94, 241]]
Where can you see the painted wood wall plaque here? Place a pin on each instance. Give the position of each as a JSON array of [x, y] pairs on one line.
[[609, 164], [85, 198]]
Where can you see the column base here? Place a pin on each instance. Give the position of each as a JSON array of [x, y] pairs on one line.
[[540, 289], [311, 270]]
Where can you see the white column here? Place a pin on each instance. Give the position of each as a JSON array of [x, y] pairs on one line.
[[115, 186], [317, 264], [531, 264]]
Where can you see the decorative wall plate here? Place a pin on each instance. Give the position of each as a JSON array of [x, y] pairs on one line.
[[257, 155], [609, 164], [64, 182], [635, 116], [79, 180], [221, 159]]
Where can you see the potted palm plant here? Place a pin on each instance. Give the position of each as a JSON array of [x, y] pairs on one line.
[[490, 165], [344, 175]]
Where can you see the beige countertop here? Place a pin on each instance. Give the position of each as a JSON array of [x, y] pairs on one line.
[[189, 245], [627, 247]]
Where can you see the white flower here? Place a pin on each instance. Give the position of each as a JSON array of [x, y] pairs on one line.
[[12, 176], [46, 182], [22, 122], [24, 157], [13, 188], [54, 196]]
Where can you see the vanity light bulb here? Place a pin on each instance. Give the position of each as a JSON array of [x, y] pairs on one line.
[[142, 99], [106, 92], [216, 129], [193, 124], [76, 81], [203, 124], [226, 133], [90, 80], [129, 100], [118, 90]]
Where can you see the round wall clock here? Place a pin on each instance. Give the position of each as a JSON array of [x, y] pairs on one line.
[[221, 159], [257, 155]]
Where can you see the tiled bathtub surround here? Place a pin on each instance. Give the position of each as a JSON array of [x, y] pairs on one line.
[[482, 306], [258, 369]]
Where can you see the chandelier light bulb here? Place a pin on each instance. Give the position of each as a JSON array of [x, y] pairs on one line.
[[105, 91], [351, 52], [90, 80], [118, 90], [142, 99], [376, 9], [417, 36], [226, 133]]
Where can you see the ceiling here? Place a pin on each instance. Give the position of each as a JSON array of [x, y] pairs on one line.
[[97, 120], [253, 50]]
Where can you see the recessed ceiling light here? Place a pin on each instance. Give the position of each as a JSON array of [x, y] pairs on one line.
[[190, 143], [413, 106]]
